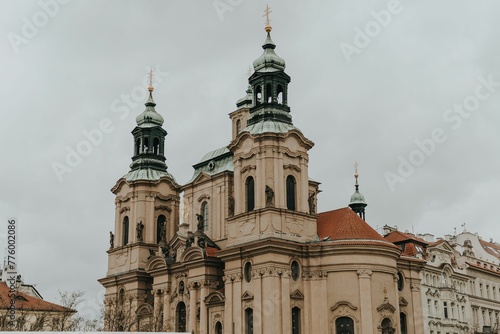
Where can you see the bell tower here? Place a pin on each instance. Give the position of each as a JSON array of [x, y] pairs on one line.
[[146, 218], [273, 194]]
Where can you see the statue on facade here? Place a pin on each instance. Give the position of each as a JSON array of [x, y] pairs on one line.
[[163, 233], [269, 196], [152, 253], [201, 242], [139, 228], [111, 240], [189, 242], [231, 205], [312, 203], [201, 224]]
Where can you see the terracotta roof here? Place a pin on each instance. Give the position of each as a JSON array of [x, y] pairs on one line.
[[397, 236], [342, 224], [491, 248], [27, 302], [211, 251], [437, 243]]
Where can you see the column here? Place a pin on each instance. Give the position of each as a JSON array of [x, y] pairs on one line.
[[365, 301], [397, 317], [257, 306], [228, 307], [193, 286], [286, 309], [270, 312], [417, 306], [318, 288], [238, 316], [203, 308]]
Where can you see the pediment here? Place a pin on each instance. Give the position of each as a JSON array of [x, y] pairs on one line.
[[191, 253], [214, 298], [386, 307], [155, 262], [247, 296], [343, 303], [202, 177], [402, 302], [296, 295]]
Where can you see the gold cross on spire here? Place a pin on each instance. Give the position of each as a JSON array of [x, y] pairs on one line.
[[150, 88], [268, 11]]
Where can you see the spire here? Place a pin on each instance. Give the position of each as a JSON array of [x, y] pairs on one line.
[[149, 137], [357, 203], [269, 84]]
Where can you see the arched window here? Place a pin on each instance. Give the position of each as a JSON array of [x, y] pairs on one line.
[[295, 320], [290, 192], [137, 146], [248, 272], [344, 325], [238, 126], [387, 326], [269, 93], [180, 315], [258, 95], [279, 91], [248, 321], [125, 230], [146, 145], [250, 194], [401, 281], [121, 297], [204, 213], [156, 146], [218, 328], [161, 228], [295, 269], [402, 320]]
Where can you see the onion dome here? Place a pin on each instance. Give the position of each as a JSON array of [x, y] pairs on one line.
[[269, 61], [149, 117], [358, 203]]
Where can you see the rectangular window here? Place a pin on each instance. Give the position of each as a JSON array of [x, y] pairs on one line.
[[295, 320], [249, 321], [436, 308], [429, 307], [445, 310]]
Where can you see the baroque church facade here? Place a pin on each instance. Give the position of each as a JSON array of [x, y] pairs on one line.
[[252, 254]]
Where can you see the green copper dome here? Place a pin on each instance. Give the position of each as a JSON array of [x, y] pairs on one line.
[[269, 61], [149, 117], [357, 198]]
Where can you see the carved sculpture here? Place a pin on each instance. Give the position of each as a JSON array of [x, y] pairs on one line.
[[139, 228], [111, 240], [269, 196]]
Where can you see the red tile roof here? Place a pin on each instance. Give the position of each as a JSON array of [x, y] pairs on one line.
[[342, 224], [27, 302], [211, 251], [397, 236], [491, 248]]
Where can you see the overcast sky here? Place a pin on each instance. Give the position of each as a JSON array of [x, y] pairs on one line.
[[408, 89]]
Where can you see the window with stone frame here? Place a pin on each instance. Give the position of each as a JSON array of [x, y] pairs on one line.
[[344, 325]]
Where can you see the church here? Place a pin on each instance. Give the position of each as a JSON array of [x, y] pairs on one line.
[[251, 253]]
